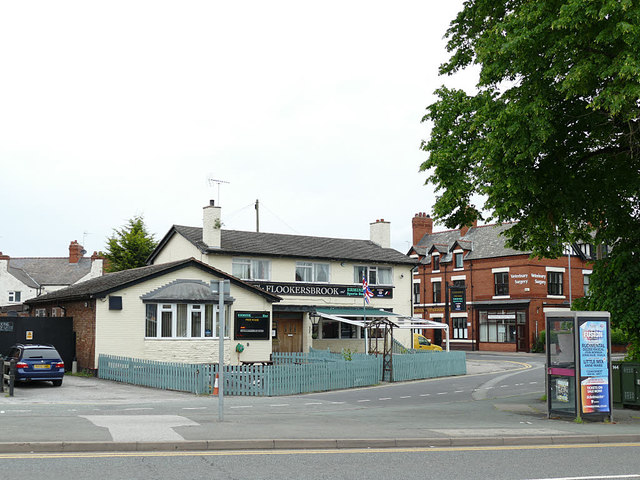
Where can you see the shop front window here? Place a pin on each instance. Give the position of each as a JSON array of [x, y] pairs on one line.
[[497, 326]]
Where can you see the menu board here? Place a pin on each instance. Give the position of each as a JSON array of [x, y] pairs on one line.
[[252, 326]]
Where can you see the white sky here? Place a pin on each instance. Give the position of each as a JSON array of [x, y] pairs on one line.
[[114, 109]]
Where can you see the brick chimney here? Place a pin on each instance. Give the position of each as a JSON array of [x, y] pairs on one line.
[[465, 229], [380, 233], [4, 262], [211, 225], [75, 252], [422, 224]]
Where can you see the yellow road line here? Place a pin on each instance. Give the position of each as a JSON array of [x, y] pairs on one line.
[[220, 453]]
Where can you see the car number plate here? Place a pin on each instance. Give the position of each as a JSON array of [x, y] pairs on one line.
[[42, 366]]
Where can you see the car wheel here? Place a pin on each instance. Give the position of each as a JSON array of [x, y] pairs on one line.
[[56, 383]]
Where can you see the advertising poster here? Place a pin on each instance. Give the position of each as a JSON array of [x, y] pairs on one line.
[[562, 390], [594, 366]]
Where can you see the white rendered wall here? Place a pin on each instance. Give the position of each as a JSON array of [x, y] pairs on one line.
[[122, 332]]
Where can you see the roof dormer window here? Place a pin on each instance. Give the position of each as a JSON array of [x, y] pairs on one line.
[[435, 262]]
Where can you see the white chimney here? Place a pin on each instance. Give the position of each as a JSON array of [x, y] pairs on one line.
[[211, 225], [380, 233]]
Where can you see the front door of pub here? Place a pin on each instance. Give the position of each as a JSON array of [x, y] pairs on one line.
[[289, 331]]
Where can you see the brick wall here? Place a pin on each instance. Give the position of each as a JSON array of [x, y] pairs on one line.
[[84, 321]]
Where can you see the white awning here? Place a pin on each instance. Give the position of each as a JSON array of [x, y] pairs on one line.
[[397, 321]]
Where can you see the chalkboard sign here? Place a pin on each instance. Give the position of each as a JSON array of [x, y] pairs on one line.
[[252, 326]]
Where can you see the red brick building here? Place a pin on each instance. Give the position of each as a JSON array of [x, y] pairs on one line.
[[506, 292]]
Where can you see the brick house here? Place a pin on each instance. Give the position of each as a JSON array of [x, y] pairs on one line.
[[506, 291], [23, 278]]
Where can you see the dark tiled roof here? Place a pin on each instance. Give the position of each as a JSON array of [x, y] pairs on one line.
[[485, 242], [235, 242], [39, 271], [101, 286]]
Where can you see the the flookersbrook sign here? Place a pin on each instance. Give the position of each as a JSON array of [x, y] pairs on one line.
[[328, 290]]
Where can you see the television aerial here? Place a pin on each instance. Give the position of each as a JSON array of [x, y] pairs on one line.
[[215, 182]]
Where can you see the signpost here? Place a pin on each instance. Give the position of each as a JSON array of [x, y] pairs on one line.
[[222, 288]]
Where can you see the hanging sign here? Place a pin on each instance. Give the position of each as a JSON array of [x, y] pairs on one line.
[[458, 299]]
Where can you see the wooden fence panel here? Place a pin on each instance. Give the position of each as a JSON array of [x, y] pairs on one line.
[[289, 375]]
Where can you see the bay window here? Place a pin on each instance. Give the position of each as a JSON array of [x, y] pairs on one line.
[[183, 320]]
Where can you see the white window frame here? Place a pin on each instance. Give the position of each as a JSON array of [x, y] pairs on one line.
[[15, 296], [252, 264], [433, 256], [191, 309], [367, 272], [458, 254], [314, 267]]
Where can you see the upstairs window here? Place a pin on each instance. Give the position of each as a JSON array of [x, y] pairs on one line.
[[458, 260], [435, 261], [554, 283], [416, 293], [312, 272], [374, 275], [14, 296], [586, 282], [501, 284], [436, 291], [251, 269]]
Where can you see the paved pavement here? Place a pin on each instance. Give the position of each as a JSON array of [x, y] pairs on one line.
[[89, 414]]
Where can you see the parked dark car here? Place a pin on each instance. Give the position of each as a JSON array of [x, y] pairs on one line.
[[37, 363]]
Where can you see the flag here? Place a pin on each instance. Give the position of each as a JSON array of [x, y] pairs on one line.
[[366, 291]]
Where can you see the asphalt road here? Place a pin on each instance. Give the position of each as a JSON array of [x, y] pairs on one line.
[[499, 398], [589, 462]]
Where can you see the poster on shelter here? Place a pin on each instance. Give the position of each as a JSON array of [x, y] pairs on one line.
[[594, 366], [562, 390]]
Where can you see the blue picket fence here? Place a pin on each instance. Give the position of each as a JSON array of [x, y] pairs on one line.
[[291, 373]]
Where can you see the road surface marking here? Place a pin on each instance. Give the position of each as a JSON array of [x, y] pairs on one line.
[[241, 453], [459, 391], [243, 406], [136, 409], [313, 403], [364, 400], [279, 405], [425, 394], [442, 393], [195, 408], [141, 428], [406, 396], [385, 398]]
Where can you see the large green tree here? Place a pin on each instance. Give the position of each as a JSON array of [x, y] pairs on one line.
[[129, 246], [550, 137]]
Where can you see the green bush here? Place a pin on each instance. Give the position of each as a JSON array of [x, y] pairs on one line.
[[618, 337], [538, 343]]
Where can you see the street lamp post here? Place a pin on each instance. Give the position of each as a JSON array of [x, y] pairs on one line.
[[221, 287]]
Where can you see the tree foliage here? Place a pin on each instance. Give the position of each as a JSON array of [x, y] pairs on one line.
[[129, 246], [551, 137]]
